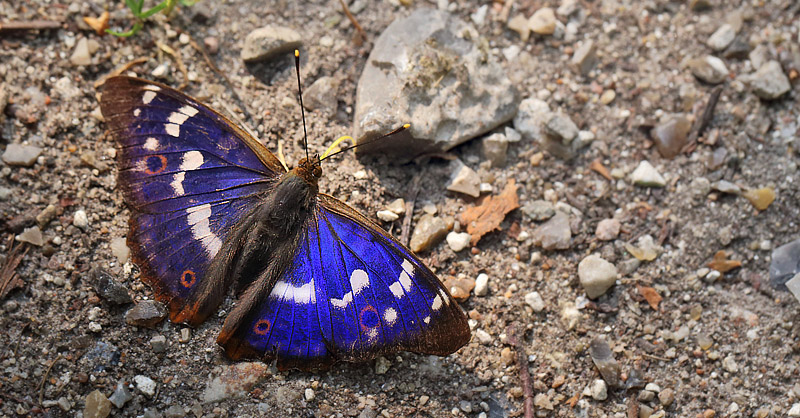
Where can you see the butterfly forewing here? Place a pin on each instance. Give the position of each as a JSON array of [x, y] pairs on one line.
[[188, 173]]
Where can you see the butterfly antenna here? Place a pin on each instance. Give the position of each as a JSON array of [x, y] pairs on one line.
[[300, 93], [328, 153]]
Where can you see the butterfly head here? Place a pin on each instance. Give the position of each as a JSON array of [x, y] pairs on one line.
[[309, 169]]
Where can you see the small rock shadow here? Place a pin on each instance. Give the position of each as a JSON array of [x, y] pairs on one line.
[[271, 70]]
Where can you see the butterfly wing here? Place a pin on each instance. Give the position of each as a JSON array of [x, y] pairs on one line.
[[189, 175], [352, 293]]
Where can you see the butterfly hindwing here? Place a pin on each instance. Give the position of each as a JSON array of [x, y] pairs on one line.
[[352, 293], [189, 175]]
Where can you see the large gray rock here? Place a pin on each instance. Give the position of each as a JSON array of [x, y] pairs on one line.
[[429, 70], [265, 43]]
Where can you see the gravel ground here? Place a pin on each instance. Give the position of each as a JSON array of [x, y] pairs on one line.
[[721, 344]]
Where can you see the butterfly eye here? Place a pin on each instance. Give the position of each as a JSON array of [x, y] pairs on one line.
[[317, 171]]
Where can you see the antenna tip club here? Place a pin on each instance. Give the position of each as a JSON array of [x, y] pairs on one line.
[[296, 52], [406, 126]]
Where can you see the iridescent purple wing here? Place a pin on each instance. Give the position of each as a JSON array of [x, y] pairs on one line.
[[353, 293], [189, 175]]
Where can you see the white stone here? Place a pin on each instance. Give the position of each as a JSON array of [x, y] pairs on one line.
[[145, 384], [535, 301], [458, 241], [729, 364], [21, 155], [482, 285], [483, 337], [81, 55], [794, 411], [596, 275], [599, 390], [723, 37], [387, 216], [80, 219], [646, 175], [309, 395], [464, 180]]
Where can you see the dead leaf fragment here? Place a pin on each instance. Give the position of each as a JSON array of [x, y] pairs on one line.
[[600, 169], [490, 212], [721, 263], [9, 279], [760, 198], [99, 24], [650, 295]]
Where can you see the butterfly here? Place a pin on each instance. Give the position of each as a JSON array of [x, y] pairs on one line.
[[213, 210]]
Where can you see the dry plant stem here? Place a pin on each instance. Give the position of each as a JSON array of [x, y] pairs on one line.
[[29, 25], [44, 378], [701, 124], [405, 232], [355, 23], [175, 55], [119, 70], [522, 366]]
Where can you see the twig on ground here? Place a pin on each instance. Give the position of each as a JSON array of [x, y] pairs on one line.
[[411, 198], [175, 55], [701, 124], [44, 378], [29, 25], [362, 35], [119, 70], [522, 366]]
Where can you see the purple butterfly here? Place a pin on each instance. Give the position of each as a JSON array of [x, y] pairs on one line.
[[212, 209]]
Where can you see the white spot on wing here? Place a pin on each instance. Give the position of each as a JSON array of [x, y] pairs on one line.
[[192, 160], [405, 281], [390, 316], [137, 112], [188, 110], [445, 296], [152, 87], [177, 183], [359, 280], [173, 129], [437, 303], [408, 267], [343, 302], [304, 294], [151, 144], [397, 289], [197, 217], [426, 320], [148, 97], [177, 118]]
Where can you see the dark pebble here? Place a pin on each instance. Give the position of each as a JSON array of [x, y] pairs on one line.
[[108, 288], [147, 313], [603, 358]]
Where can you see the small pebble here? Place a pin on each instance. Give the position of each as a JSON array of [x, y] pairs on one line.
[[185, 336], [483, 337], [458, 241], [535, 301], [121, 395], [596, 275], [599, 390], [723, 37], [21, 155], [666, 397], [769, 82], [709, 69], [760, 198], [647, 176], [507, 356], [145, 385], [32, 236], [482, 285], [146, 313], [607, 229], [464, 180], [495, 149], [96, 405], [309, 394], [80, 219], [269, 41], [159, 344], [382, 365], [543, 21], [554, 234], [585, 58], [81, 55], [387, 216], [397, 206], [429, 231], [539, 210]]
